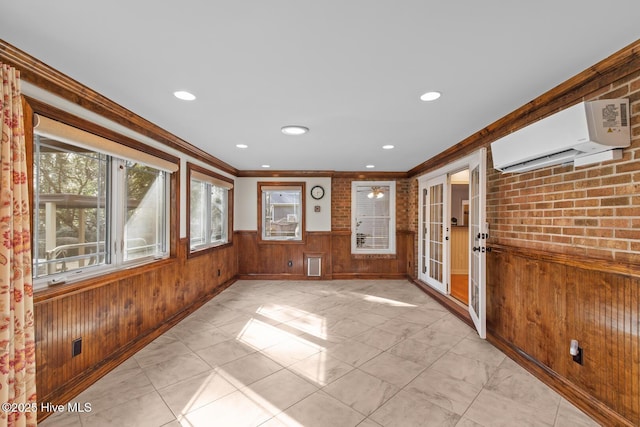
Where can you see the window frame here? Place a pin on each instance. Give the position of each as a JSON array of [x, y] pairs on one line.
[[204, 249], [74, 280], [391, 250], [302, 222]]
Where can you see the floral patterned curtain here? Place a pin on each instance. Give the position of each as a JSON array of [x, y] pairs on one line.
[[17, 341]]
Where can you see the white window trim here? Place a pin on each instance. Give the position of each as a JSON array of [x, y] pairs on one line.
[[392, 214], [210, 182], [264, 187], [115, 232]]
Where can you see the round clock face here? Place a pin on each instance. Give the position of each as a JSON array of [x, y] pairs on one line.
[[317, 192]]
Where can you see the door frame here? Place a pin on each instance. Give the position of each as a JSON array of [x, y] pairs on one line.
[[459, 164]]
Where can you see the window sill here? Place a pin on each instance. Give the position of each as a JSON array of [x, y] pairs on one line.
[[373, 256], [207, 249], [279, 242], [101, 278]]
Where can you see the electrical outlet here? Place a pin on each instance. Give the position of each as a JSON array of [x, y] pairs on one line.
[[76, 347]]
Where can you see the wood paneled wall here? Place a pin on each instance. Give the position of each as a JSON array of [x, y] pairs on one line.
[[117, 315], [270, 260], [349, 266], [538, 302]]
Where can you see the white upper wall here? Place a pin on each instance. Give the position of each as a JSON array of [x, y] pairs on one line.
[[245, 206]]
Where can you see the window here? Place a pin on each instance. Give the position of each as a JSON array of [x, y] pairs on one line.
[[96, 206], [373, 217], [209, 209], [281, 207]]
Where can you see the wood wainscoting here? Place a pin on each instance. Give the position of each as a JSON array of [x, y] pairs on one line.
[[117, 315], [271, 260], [538, 302]]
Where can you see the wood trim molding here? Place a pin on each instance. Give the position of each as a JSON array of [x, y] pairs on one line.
[[284, 174], [51, 80], [585, 263], [607, 71], [321, 174], [369, 276]]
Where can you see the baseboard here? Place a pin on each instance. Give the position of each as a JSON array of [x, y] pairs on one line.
[[370, 276], [456, 308], [72, 389], [578, 397]]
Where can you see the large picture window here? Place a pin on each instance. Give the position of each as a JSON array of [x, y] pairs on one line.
[[95, 207], [281, 207], [210, 198], [373, 217]]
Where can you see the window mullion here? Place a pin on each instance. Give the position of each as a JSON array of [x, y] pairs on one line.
[[118, 197]]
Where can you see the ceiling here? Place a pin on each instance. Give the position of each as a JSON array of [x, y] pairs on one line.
[[350, 71]]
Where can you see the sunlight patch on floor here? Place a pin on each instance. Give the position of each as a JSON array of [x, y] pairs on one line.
[[387, 301]]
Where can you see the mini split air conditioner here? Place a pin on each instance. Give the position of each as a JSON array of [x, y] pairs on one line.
[[588, 132]]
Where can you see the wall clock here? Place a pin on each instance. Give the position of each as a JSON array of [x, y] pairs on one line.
[[317, 192]]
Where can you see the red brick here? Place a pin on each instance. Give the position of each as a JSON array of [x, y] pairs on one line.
[[573, 231], [613, 244], [628, 234], [631, 189], [615, 201], [585, 222], [616, 179], [600, 171], [615, 223], [563, 204], [588, 183], [599, 232], [585, 203]]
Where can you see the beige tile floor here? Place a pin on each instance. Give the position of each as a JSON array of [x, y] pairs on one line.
[[321, 353]]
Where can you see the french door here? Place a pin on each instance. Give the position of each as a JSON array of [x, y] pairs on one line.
[[478, 234], [434, 223], [435, 230]]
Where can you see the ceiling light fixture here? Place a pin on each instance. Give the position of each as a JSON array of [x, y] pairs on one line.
[[294, 130], [388, 147], [184, 95], [376, 193], [242, 145], [370, 166], [266, 166], [430, 96]]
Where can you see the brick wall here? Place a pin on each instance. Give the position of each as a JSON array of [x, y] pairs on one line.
[[591, 211], [341, 202]]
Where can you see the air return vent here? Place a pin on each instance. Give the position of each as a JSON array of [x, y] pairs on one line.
[[314, 266]]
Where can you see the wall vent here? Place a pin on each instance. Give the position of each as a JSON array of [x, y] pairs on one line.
[[314, 266]]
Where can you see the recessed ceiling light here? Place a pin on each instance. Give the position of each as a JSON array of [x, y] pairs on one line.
[[184, 95], [370, 166], [294, 130], [388, 147], [266, 166], [242, 145], [430, 96]]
